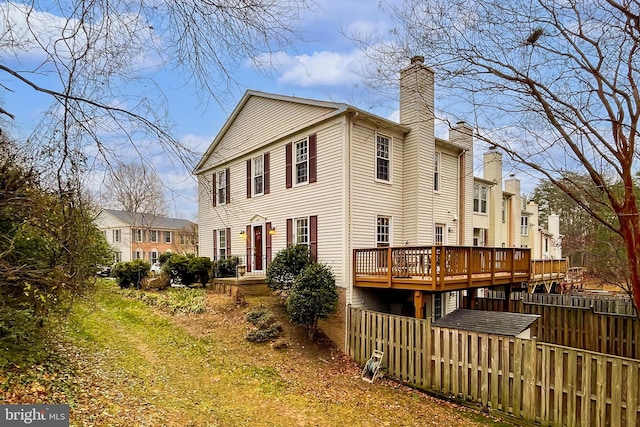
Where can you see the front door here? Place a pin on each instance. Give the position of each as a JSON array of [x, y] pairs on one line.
[[257, 247]]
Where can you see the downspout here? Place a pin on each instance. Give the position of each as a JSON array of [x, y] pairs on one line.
[[347, 239]]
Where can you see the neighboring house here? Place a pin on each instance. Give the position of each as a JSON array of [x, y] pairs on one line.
[[146, 236], [287, 170], [502, 219]]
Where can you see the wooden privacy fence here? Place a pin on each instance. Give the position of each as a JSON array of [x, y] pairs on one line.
[[539, 382], [611, 330]]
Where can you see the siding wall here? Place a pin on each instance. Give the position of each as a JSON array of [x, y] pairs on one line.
[[260, 122], [322, 198], [445, 201]]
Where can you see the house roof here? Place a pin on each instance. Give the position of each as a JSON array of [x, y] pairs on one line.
[[149, 220], [337, 107], [488, 322]]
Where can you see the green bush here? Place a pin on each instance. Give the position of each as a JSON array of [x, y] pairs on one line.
[[263, 335], [226, 267], [162, 258], [286, 266], [313, 296], [128, 274], [200, 269], [261, 318]]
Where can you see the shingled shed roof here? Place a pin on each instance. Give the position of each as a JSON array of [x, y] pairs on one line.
[[488, 322]]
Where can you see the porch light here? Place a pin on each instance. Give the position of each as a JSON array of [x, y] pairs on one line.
[[272, 231], [243, 234], [241, 270]]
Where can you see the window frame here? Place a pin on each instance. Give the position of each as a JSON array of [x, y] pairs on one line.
[[222, 243], [153, 236], [383, 231], [439, 230], [221, 187], [297, 228], [378, 158], [167, 237], [480, 203], [257, 174], [524, 225], [304, 162], [437, 163], [117, 235]]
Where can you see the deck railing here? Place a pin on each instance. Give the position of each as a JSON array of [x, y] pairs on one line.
[[438, 264]]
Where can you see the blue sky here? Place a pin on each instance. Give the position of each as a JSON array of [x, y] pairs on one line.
[[324, 65]]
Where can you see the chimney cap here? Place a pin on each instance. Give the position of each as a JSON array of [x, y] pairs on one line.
[[417, 59]]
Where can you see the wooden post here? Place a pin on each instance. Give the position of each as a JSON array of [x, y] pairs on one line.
[[471, 298], [418, 303]]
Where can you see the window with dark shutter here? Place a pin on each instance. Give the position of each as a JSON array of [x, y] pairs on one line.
[[228, 242], [313, 167], [215, 245], [313, 237], [249, 179], [289, 232], [228, 174], [288, 160], [266, 172], [214, 191], [248, 260]]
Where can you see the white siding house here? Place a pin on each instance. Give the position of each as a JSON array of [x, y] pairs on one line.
[[284, 170]]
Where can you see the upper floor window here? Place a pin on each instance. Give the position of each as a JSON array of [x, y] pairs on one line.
[[153, 236], [140, 235], [302, 161], [383, 231], [167, 237], [436, 172], [480, 198], [302, 231], [258, 175], [504, 210], [221, 179], [524, 225], [116, 235], [383, 157]]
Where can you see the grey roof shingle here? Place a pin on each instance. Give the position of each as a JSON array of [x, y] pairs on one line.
[[489, 322], [150, 220]]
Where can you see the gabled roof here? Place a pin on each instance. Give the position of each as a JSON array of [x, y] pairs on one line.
[[337, 107], [488, 322], [149, 220]]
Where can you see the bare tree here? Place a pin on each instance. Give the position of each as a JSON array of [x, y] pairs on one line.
[[553, 83], [98, 61], [134, 187]]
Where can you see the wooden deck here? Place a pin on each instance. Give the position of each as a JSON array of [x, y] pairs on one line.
[[449, 268]]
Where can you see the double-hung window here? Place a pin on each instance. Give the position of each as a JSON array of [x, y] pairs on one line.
[[524, 225], [153, 236], [436, 172], [221, 178], [167, 237], [302, 161], [302, 231], [116, 235], [222, 246], [480, 198], [383, 158], [258, 175]]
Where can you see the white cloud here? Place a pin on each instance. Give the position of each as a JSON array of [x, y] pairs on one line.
[[323, 68]]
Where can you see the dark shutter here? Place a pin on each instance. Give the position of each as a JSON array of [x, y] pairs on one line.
[[288, 163], [228, 175], [268, 243], [215, 193], [313, 166], [289, 232], [215, 245], [248, 251], [313, 237], [266, 173], [228, 242], [249, 179]]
